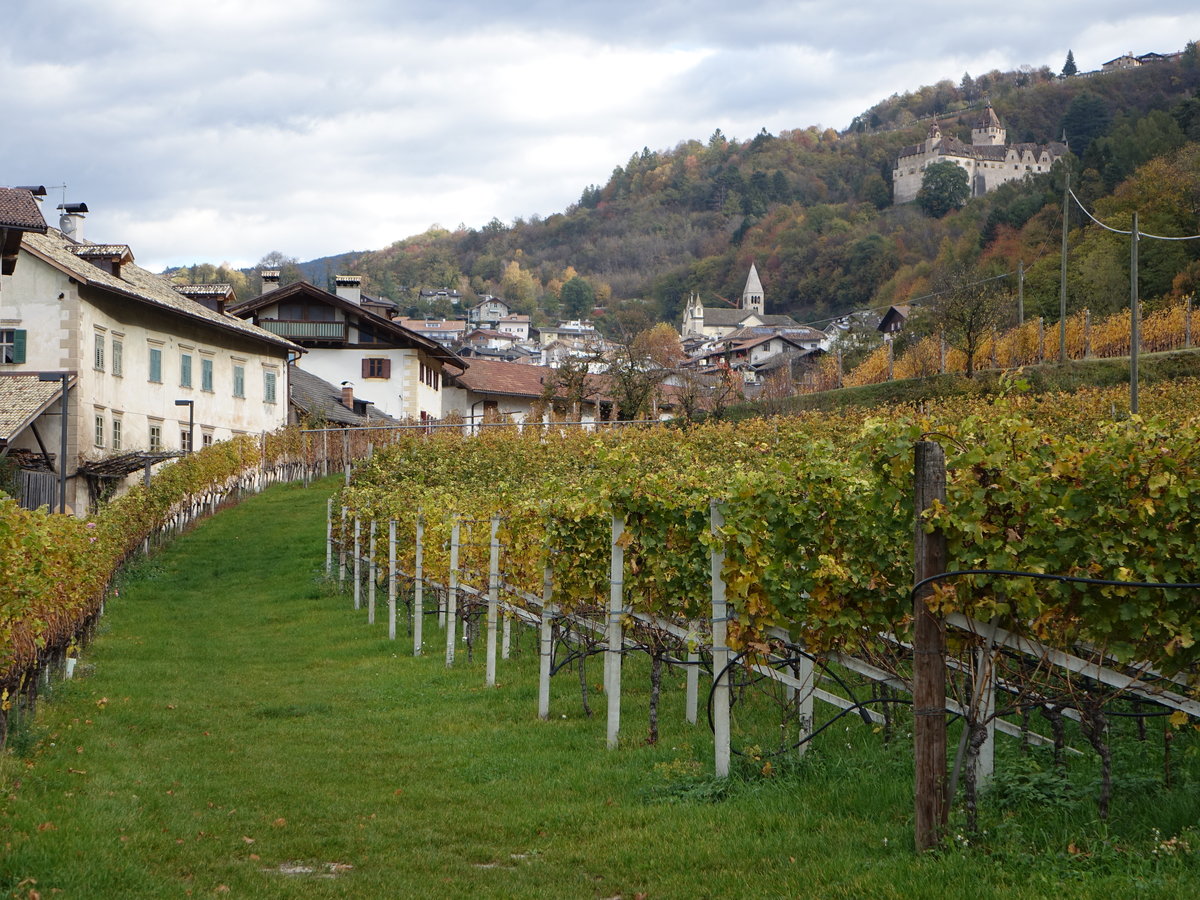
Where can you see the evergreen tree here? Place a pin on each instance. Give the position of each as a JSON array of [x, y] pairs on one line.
[[1069, 67], [944, 187]]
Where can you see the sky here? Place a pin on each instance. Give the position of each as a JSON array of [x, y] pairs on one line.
[[219, 131]]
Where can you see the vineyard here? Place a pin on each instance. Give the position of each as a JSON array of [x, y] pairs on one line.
[[1171, 327], [772, 562], [779, 557]]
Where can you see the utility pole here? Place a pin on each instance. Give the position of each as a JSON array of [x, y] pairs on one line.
[[1134, 316], [1020, 292], [1062, 286]]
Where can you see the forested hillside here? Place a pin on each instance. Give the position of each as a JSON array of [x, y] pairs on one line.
[[813, 210]]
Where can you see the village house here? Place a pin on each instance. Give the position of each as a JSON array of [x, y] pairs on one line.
[[488, 312], [446, 332], [396, 369], [988, 160], [148, 372], [505, 391]]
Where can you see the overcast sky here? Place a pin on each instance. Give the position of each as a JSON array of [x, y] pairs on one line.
[[219, 131]]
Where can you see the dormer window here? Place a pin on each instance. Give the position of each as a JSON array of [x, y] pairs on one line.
[[106, 257]]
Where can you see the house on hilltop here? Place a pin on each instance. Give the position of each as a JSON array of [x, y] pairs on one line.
[[989, 160]]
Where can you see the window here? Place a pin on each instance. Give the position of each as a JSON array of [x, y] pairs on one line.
[[118, 354], [156, 438], [206, 439], [376, 368], [268, 386], [12, 345], [185, 440], [206, 374], [98, 356], [116, 434], [99, 435], [156, 365], [431, 376], [239, 381], [185, 370]]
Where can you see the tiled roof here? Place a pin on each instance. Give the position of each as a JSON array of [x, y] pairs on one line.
[[19, 210], [321, 400], [22, 399], [721, 316], [139, 285], [511, 379]]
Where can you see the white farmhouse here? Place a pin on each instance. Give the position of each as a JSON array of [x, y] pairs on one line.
[[400, 372], [149, 372]]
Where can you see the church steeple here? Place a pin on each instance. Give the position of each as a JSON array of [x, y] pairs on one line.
[[752, 296]]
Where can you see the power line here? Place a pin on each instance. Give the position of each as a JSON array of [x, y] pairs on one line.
[[1141, 234]]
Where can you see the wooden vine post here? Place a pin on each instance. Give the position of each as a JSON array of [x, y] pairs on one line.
[[615, 637], [929, 655], [419, 588], [493, 598], [720, 651], [452, 596]]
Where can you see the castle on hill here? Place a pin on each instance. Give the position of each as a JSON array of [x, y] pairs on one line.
[[989, 159]]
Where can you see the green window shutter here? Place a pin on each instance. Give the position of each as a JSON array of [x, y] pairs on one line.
[[19, 345]]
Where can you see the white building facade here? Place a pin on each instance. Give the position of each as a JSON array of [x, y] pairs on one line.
[[150, 370]]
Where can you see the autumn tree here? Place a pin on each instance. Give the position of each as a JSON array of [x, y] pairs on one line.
[[518, 287], [968, 306]]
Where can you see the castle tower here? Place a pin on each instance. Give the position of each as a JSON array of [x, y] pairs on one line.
[[752, 296], [988, 132]]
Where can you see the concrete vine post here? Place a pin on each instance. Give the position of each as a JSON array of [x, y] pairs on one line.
[[372, 574], [418, 624], [546, 650], [357, 563], [929, 654], [391, 579], [493, 599], [452, 595], [342, 550], [615, 636], [329, 537], [720, 651], [692, 689]]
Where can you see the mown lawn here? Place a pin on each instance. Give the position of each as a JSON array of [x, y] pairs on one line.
[[238, 730]]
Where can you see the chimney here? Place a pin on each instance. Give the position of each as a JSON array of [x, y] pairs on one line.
[[349, 287], [70, 223], [270, 280], [348, 395], [38, 191]]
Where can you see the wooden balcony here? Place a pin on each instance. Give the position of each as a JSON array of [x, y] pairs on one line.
[[296, 330]]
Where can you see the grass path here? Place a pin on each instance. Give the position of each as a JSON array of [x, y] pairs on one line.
[[237, 730]]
